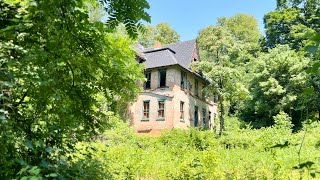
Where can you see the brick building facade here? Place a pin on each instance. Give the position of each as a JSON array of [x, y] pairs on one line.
[[172, 95]]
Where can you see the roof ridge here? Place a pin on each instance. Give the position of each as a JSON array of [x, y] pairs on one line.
[[180, 42], [158, 49]]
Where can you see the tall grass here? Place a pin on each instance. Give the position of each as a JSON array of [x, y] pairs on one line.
[[240, 153]]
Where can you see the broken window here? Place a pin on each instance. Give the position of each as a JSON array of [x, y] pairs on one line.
[[146, 109], [162, 78], [183, 80], [147, 84], [181, 110], [161, 109], [196, 87], [204, 118]]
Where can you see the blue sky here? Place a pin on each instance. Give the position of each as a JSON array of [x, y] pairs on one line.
[[187, 17]]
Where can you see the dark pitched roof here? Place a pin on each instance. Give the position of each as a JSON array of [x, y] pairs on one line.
[[180, 53]]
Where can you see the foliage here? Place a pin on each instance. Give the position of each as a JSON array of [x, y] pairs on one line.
[[282, 120], [268, 153], [162, 33], [127, 12], [279, 80], [61, 78], [289, 23], [224, 50], [243, 27]]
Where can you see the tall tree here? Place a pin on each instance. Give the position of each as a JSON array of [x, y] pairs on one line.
[[224, 49], [279, 80], [60, 75], [289, 23], [243, 27], [162, 33]]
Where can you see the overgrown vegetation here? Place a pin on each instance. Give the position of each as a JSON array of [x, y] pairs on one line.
[[66, 79], [240, 153], [60, 76]]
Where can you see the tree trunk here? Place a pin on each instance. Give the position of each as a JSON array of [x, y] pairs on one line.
[[221, 115], [221, 107]]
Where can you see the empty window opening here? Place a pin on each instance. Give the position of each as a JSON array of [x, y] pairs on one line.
[[162, 78], [147, 84]]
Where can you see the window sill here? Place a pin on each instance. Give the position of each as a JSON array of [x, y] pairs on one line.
[[144, 120], [163, 87], [160, 119], [182, 120]]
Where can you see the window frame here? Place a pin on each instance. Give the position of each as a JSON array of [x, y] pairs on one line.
[[148, 80], [196, 87], [165, 78], [184, 80], [145, 111], [182, 111], [164, 110], [204, 112]]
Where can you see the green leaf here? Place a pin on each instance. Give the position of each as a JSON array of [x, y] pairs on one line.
[[29, 144], [52, 175], [315, 67], [34, 178], [308, 91], [34, 170], [316, 38], [311, 49], [49, 149]]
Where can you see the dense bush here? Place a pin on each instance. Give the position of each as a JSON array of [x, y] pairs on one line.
[[267, 153]]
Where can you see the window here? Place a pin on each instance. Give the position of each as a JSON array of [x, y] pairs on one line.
[[209, 119], [146, 109], [196, 117], [181, 110], [161, 109], [204, 117], [203, 93], [162, 78], [147, 84], [183, 80], [196, 87]]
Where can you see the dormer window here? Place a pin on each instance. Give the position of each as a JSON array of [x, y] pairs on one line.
[[196, 87], [162, 78], [147, 84], [183, 80]]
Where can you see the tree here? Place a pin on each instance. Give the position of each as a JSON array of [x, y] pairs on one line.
[[243, 27], [224, 50], [162, 33], [289, 23], [61, 76], [279, 80]]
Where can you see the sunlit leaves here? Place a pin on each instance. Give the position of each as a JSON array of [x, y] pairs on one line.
[[60, 74], [128, 12]]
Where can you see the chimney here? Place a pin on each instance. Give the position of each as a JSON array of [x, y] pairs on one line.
[[157, 44]]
